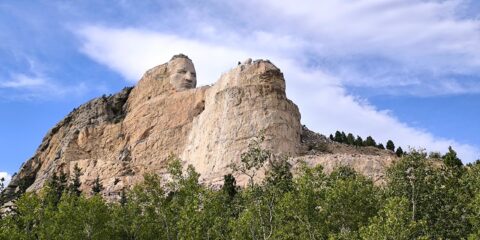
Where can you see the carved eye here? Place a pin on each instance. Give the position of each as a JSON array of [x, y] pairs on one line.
[[182, 71], [194, 74]]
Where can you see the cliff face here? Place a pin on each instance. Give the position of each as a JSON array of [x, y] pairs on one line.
[[121, 137]]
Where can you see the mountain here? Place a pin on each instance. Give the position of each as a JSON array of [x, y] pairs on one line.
[[119, 138]]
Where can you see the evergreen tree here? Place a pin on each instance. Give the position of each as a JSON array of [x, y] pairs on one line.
[[331, 137], [380, 146], [97, 186], [350, 139], [75, 183], [344, 138], [338, 137], [369, 142], [123, 198], [229, 186], [399, 152], [450, 158], [390, 145], [359, 141], [2, 184]]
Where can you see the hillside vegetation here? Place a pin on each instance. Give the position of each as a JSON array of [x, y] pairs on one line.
[[423, 198]]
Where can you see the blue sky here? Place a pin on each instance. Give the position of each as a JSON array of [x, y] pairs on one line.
[[395, 69]]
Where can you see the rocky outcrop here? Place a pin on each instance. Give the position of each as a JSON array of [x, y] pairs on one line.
[[121, 137]]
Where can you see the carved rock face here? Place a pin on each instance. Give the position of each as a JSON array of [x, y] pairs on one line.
[[182, 73]]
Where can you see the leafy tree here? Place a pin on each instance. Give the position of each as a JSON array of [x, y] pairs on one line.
[[399, 152], [393, 222], [97, 186], [435, 195], [349, 201], [279, 175], [253, 159], [390, 146]]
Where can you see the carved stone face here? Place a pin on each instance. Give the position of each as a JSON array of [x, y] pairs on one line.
[[182, 73]]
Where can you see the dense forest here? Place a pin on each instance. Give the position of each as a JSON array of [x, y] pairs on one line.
[[423, 197]]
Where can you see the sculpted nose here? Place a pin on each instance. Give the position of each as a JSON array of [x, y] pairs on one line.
[[189, 76]]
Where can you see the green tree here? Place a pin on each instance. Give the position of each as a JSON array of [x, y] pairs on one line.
[[2, 184], [399, 152], [350, 139], [359, 141], [450, 158], [435, 195], [338, 137], [369, 142], [390, 146], [229, 186], [97, 186], [380, 146], [253, 159], [350, 200], [393, 222], [75, 184]]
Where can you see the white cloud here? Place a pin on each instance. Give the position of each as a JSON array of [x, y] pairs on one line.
[[6, 176], [35, 87], [323, 102], [381, 43]]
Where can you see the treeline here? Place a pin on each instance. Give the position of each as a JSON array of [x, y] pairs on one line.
[[421, 199], [349, 139]]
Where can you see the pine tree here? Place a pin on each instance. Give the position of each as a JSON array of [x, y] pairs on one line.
[[344, 138], [350, 139], [123, 198], [359, 141], [75, 183], [399, 152], [380, 146], [390, 145], [331, 137], [369, 142], [450, 158], [338, 137], [229, 186], [97, 186], [2, 184]]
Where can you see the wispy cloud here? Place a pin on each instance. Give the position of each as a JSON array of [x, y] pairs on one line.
[[31, 87], [324, 103]]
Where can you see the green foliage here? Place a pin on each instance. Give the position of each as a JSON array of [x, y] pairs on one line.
[[75, 183], [370, 142], [422, 199], [393, 222], [450, 158], [390, 146], [229, 186], [399, 152], [2, 184], [97, 186], [358, 141], [253, 159]]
